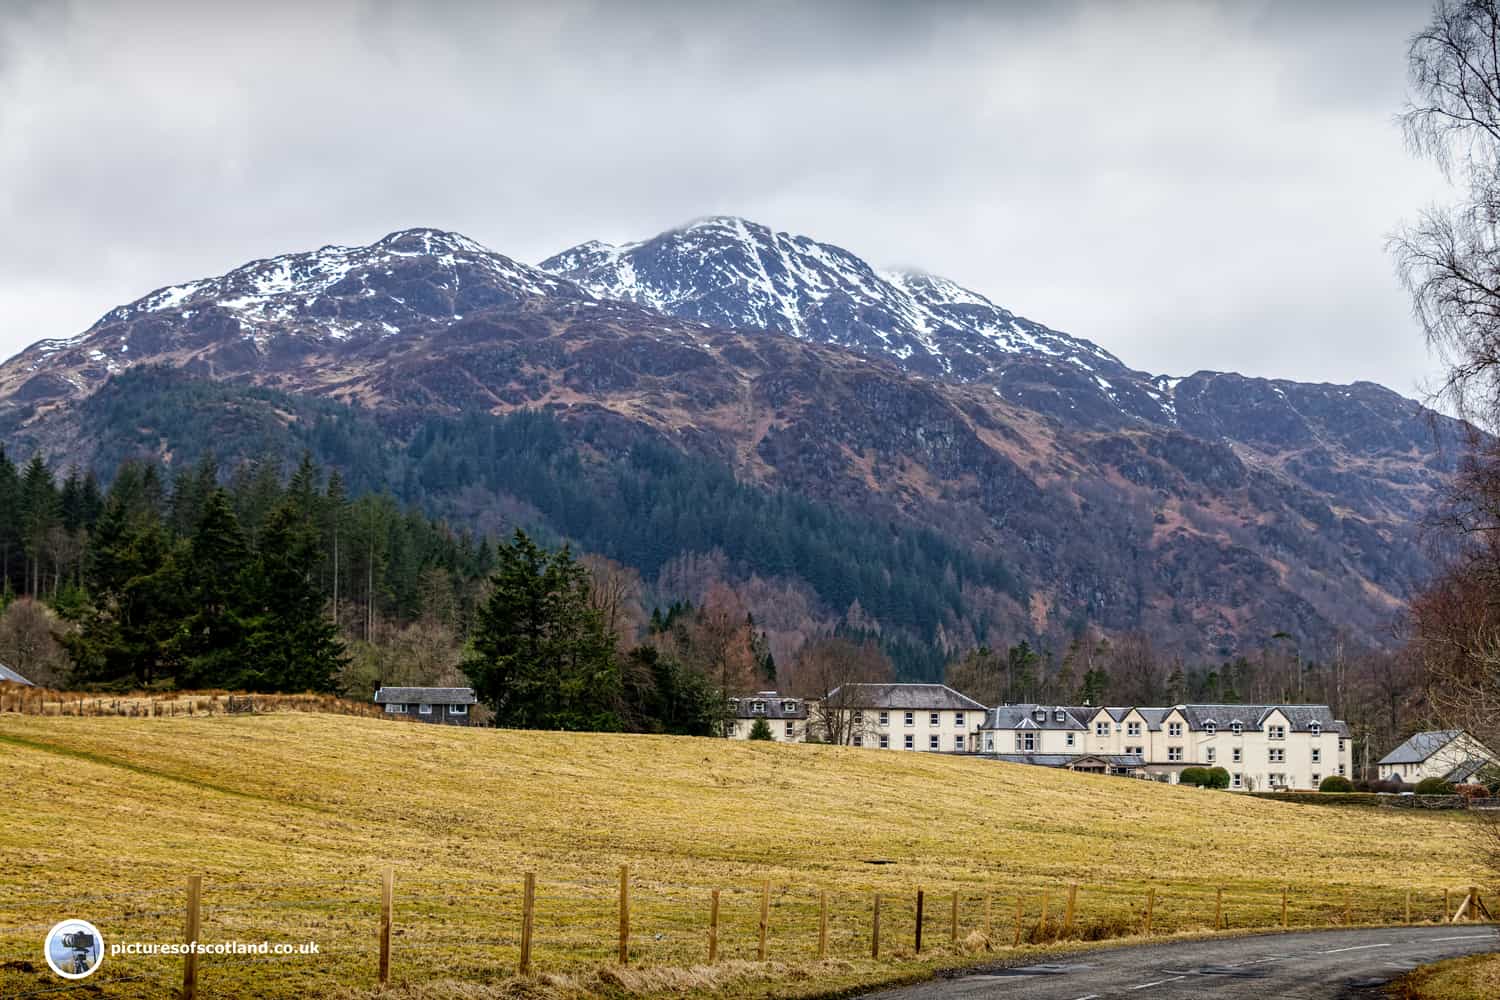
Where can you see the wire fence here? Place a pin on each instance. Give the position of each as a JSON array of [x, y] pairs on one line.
[[484, 930]]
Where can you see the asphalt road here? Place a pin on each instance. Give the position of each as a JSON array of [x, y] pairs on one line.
[[1326, 965]]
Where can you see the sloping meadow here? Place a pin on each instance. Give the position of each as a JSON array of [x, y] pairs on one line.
[[292, 820]]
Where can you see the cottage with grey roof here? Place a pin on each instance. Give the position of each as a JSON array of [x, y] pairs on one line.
[[447, 706], [1450, 754], [784, 715]]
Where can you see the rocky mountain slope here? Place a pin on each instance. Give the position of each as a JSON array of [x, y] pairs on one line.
[[1212, 510]]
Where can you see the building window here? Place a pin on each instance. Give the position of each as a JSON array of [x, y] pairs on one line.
[[1174, 753], [1317, 755], [958, 718], [1277, 755], [791, 729], [1341, 770], [789, 707], [885, 718], [885, 742], [989, 742], [757, 708], [1132, 729], [1141, 751], [1316, 728], [1210, 727], [1174, 729], [1101, 729], [1236, 780], [1341, 745], [858, 718], [1071, 740], [932, 742], [458, 709], [859, 741], [1317, 778], [911, 718], [958, 742], [911, 742], [1058, 715], [424, 709], [1026, 742], [1210, 755], [1236, 728], [935, 719], [1276, 732], [1236, 755], [1278, 780], [395, 709]]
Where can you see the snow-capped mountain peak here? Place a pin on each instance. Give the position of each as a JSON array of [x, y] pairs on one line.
[[732, 272]]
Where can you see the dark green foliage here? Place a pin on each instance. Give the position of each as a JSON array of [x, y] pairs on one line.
[[660, 695], [540, 655], [1195, 776], [1433, 786], [1336, 783], [621, 494], [1218, 777], [761, 730]]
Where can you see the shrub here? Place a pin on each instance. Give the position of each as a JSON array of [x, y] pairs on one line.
[[1196, 776], [1434, 786], [761, 730], [1336, 783], [1472, 791], [1218, 777]]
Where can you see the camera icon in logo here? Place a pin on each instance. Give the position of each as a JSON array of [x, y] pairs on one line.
[[74, 949]]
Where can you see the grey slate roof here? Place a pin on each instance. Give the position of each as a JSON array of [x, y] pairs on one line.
[[7, 674], [1024, 717], [774, 707], [425, 696], [1421, 746], [1299, 717], [1466, 772], [904, 697], [1154, 717]]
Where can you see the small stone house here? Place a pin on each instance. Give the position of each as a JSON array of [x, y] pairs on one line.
[[1450, 754], [786, 716], [443, 706]]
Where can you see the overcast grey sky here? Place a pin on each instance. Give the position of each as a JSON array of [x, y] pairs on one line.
[[1189, 185]]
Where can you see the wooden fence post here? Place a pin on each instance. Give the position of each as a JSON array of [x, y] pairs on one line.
[[1283, 908], [624, 914], [1017, 943], [953, 921], [190, 932], [1071, 911], [1219, 910], [1150, 908], [765, 916], [528, 908], [823, 925], [713, 927], [919, 922], [875, 930], [387, 890]]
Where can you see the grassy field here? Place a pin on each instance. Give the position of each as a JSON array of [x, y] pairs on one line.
[[1474, 978], [292, 817]]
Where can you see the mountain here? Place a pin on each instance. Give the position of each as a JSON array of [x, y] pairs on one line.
[[889, 453]]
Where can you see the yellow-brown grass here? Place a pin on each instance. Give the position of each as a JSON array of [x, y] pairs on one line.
[[292, 817], [1474, 978]]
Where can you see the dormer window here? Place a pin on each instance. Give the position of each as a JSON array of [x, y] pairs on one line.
[[789, 707], [1058, 715], [1040, 715], [734, 703], [757, 708], [1237, 727], [1316, 728], [1210, 727]]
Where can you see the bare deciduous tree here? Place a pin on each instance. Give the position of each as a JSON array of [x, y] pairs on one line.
[[29, 645], [822, 673]]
